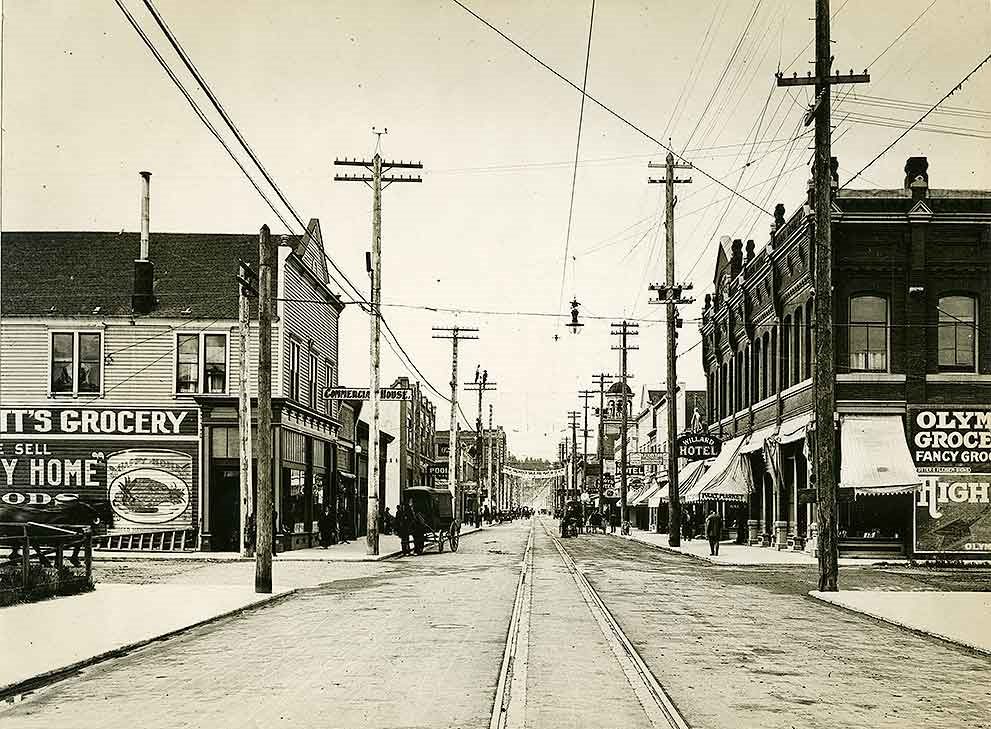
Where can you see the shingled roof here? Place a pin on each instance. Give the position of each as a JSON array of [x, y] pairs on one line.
[[76, 272]]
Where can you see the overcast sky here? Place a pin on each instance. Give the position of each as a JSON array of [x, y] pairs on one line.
[[85, 107]]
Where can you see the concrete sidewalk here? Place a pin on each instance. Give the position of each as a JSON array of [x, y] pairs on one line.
[[958, 617], [740, 555], [353, 551], [43, 639]]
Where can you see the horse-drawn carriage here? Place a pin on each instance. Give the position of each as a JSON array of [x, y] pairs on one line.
[[571, 519], [433, 515]]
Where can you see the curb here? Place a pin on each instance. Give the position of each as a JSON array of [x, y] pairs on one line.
[[48, 678], [898, 624]]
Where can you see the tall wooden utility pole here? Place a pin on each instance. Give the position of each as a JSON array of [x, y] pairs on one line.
[[824, 370], [480, 385], [376, 181], [624, 332], [247, 286], [573, 423], [455, 334], [670, 293], [601, 379], [585, 395], [264, 511], [493, 498]]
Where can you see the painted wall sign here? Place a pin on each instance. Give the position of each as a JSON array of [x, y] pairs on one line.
[[951, 448], [396, 394], [150, 487], [98, 421], [698, 446]]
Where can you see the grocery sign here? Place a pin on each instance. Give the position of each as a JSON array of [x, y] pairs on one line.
[[951, 449], [396, 394]]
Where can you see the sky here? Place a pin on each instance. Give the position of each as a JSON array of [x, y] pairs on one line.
[[85, 107]]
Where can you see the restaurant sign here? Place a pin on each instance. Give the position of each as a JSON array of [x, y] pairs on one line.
[[952, 453], [698, 446]]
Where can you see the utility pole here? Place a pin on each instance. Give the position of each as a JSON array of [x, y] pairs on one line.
[[670, 294], [585, 395], [264, 512], [573, 422], [247, 286], [601, 379], [480, 385], [824, 376], [376, 181], [488, 443], [455, 334], [625, 331]]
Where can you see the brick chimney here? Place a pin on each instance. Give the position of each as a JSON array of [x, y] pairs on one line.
[[917, 177], [736, 260], [143, 298]]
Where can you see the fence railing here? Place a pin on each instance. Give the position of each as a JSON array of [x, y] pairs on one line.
[[35, 566]]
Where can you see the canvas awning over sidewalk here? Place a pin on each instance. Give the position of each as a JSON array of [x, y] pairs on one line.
[[726, 480], [875, 458]]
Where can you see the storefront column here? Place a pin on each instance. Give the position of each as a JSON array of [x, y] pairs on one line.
[[206, 456]]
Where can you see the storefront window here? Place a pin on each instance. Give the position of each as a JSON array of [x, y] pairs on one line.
[[957, 333], [319, 484], [295, 501], [868, 334]]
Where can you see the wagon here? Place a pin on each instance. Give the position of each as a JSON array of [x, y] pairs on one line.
[[433, 516]]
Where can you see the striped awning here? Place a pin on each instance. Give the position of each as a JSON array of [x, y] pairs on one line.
[[794, 428], [728, 479], [875, 456]]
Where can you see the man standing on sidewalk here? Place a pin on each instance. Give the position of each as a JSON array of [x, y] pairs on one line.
[[713, 531]]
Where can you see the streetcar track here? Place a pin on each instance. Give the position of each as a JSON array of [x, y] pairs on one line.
[[510, 697], [657, 705]]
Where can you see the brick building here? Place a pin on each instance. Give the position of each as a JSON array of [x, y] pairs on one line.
[[912, 295]]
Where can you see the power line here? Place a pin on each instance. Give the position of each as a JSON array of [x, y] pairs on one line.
[[918, 121], [900, 35], [609, 110], [578, 144]]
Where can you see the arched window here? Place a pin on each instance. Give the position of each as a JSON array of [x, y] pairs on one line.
[[868, 334], [808, 339], [957, 333], [800, 354], [738, 384], [786, 353], [755, 395], [765, 366], [773, 362]]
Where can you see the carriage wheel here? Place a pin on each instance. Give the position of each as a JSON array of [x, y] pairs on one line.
[[454, 535], [440, 541]]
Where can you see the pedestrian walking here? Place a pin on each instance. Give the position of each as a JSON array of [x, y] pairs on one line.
[[403, 526], [687, 526], [387, 521], [487, 514], [613, 520], [326, 525], [713, 531]]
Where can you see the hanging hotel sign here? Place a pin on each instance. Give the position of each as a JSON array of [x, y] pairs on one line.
[[951, 449], [698, 446], [395, 394]]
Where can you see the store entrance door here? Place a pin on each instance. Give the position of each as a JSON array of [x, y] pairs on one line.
[[225, 510]]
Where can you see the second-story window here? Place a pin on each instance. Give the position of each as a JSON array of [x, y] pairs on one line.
[[201, 363], [313, 381], [957, 333], [76, 362], [294, 371], [868, 334]]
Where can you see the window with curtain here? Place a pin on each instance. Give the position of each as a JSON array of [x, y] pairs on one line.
[[187, 376], [868, 334], [313, 380], [294, 371], [76, 364], [957, 340], [215, 363]]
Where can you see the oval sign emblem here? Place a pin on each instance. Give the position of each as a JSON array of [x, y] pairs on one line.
[[149, 496]]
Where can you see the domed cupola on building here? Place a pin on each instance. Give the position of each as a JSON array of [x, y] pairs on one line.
[[615, 401]]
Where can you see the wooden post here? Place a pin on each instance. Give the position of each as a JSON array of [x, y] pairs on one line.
[[88, 555], [25, 560], [263, 515], [244, 415], [372, 524]]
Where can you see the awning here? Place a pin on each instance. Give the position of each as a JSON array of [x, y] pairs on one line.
[[875, 456], [345, 474], [756, 440], [644, 497], [726, 480], [661, 494], [793, 429]]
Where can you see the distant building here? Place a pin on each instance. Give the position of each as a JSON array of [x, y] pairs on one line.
[[413, 423]]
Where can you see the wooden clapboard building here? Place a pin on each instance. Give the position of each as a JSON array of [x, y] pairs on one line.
[[912, 293], [96, 324]]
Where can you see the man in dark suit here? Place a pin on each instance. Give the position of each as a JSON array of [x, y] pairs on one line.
[[713, 531]]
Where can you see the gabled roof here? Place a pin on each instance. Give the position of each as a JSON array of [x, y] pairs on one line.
[[75, 272]]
